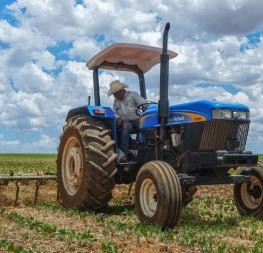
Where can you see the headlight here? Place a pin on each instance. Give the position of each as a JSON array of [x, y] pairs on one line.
[[240, 115], [222, 114], [228, 114]]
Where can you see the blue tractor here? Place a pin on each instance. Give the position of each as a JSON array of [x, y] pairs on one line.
[[176, 147]]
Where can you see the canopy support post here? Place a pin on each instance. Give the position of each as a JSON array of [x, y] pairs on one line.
[[142, 84], [96, 86]]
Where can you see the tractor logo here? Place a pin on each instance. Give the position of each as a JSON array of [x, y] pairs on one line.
[[175, 118]]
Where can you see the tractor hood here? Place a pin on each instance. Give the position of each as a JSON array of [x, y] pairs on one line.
[[190, 112]]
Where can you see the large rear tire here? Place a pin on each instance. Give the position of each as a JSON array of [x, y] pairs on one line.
[[158, 196], [86, 165], [249, 196]]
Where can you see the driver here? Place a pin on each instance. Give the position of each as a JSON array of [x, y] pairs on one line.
[[124, 106]]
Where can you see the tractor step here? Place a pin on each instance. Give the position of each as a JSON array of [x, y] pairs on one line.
[[127, 164]]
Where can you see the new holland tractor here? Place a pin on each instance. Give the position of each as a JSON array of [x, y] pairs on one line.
[[174, 149]]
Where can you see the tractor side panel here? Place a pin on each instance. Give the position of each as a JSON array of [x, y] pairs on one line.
[[191, 112], [175, 118]]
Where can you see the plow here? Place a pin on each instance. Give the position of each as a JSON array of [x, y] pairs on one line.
[[19, 180]]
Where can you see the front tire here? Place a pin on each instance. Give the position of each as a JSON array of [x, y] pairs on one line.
[[249, 196], [85, 165], [158, 196]]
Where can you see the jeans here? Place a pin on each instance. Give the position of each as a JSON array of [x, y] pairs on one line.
[[123, 134]]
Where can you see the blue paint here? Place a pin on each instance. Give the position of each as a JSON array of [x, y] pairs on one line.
[[109, 116], [176, 112], [109, 112]]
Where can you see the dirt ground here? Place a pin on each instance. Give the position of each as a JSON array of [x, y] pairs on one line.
[[47, 227], [210, 223]]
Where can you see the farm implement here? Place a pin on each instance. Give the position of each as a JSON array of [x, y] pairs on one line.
[[18, 180]]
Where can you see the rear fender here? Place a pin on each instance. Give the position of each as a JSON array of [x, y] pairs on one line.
[[108, 117]]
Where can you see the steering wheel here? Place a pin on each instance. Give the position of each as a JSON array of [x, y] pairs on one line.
[[143, 107]]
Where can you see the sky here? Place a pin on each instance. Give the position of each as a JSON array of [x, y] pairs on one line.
[[45, 44]]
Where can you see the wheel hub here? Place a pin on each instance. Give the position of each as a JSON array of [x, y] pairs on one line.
[[148, 197], [73, 162], [72, 166], [252, 194], [255, 192]]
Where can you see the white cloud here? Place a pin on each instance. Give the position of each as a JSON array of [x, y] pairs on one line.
[[36, 90], [44, 144]]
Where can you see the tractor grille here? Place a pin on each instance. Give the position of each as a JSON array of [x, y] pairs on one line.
[[224, 135]]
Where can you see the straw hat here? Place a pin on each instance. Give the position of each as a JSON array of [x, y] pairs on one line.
[[116, 86]]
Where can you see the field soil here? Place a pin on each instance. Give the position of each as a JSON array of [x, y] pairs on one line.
[[210, 223]]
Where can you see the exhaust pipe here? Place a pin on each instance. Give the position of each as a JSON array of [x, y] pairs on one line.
[[164, 78]]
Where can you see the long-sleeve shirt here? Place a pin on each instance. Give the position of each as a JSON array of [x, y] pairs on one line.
[[125, 108]]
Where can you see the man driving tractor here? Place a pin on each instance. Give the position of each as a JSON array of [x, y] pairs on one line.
[[124, 106]]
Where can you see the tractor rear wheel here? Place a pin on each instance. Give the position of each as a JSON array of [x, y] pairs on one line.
[[158, 196], [85, 165], [249, 196]]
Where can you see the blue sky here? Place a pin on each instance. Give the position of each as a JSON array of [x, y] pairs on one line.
[[43, 56]]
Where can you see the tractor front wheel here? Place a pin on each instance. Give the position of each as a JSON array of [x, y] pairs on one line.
[[158, 196], [249, 196], [85, 165]]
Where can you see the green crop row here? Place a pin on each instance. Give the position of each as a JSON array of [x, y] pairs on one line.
[[213, 220], [11, 247], [106, 245], [110, 224], [53, 207], [50, 228]]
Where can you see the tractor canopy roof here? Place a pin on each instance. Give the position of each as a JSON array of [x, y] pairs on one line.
[[127, 57]]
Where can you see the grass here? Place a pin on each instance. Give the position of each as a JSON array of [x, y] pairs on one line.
[[28, 156], [209, 224], [27, 163]]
